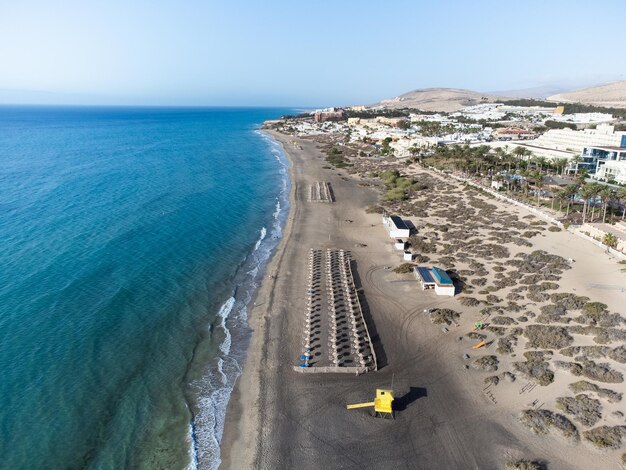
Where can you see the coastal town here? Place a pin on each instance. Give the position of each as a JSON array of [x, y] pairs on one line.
[[566, 164], [485, 244]]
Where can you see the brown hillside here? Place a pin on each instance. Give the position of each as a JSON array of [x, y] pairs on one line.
[[611, 95]]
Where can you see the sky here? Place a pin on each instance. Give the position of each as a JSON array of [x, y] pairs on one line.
[[299, 53]]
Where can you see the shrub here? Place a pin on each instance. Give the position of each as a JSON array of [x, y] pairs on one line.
[[606, 437], [594, 308], [497, 330], [547, 337], [506, 344], [492, 380], [503, 320], [525, 465], [487, 363], [542, 421], [601, 372], [584, 386], [618, 354], [585, 410], [569, 301], [475, 335], [548, 318], [537, 370], [395, 195], [374, 209], [469, 301], [553, 309], [508, 376], [404, 268], [444, 315]]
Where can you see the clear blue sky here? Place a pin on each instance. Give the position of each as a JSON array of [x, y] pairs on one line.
[[294, 52]]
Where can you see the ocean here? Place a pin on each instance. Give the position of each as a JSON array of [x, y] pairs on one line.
[[131, 240]]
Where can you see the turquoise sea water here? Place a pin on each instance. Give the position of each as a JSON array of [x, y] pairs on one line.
[[130, 241]]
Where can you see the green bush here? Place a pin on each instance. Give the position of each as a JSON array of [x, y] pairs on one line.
[[525, 465], [585, 410], [404, 268], [541, 421], [606, 437], [547, 337]]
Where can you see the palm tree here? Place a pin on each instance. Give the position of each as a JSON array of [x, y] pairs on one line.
[[560, 164], [621, 196], [576, 159], [557, 194], [610, 240], [568, 193], [538, 179], [595, 191], [585, 192], [541, 161], [521, 152], [606, 196], [582, 175]]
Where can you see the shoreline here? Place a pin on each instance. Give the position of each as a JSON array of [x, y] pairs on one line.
[[278, 418], [240, 420]]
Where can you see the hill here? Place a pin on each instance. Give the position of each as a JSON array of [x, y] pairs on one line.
[[438, 99], [539, 92], [610, 95]]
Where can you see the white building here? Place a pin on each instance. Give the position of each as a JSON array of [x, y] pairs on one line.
[[435, 278], [575, 141], [583, 118], [612, 170], [396, 227], [567, 143]]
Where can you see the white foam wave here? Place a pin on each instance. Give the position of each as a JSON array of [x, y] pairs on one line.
[[258, 242], [277, 211], [224, 311], [220, 379], [193, 464]]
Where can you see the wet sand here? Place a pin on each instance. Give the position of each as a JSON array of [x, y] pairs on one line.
[[278, 418]]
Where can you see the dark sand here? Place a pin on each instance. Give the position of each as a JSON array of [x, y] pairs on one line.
[[278, 418]]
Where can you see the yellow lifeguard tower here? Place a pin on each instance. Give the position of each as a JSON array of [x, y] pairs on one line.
[[383, 403]]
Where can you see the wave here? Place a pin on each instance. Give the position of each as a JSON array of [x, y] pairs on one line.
[[223, 314], [258, 243], [215, 388]]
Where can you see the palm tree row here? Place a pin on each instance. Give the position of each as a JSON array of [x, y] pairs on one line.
[[590, 193], [483, 161]]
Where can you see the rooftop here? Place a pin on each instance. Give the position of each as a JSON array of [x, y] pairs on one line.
[[398, 222], [441, 277], [558, 180], [434, 275], [603, 147]]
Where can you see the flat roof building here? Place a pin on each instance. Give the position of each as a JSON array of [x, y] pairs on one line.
[[612, 171], [396, 227], [568, 139], [435, 278], [594, 157], [513, 134]]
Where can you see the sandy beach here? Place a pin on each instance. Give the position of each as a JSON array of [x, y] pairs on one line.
[[446, 415]]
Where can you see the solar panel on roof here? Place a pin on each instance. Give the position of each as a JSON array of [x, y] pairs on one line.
[[425, 274], [399, 223]]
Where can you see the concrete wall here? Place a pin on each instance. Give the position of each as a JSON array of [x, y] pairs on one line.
[[444, 290]]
